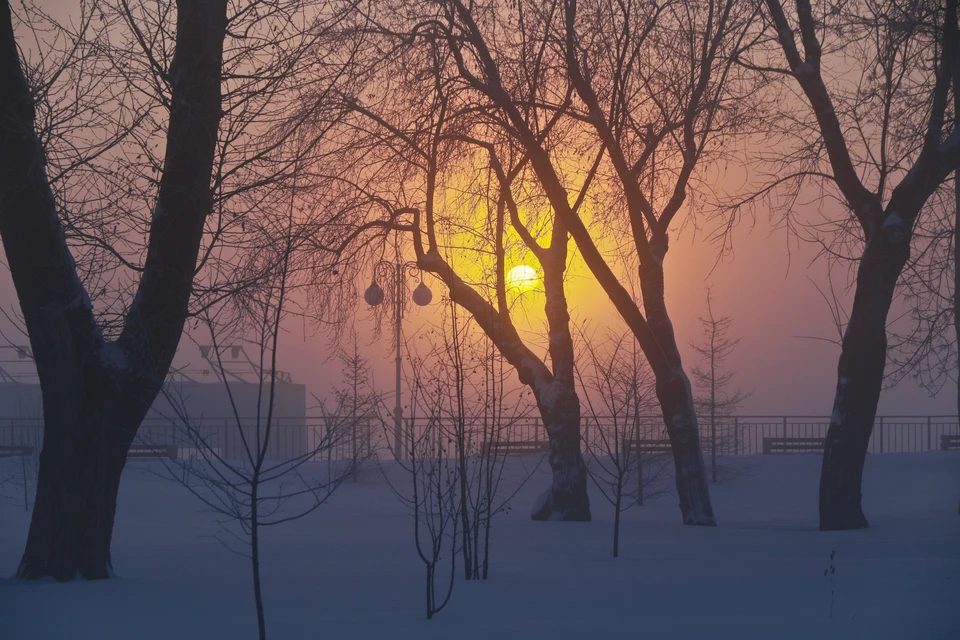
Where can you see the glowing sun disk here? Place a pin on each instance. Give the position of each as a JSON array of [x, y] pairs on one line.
[[522, 278]]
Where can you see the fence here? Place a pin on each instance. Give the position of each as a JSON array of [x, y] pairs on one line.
[[289, 437], [743, 435], [342, 439]]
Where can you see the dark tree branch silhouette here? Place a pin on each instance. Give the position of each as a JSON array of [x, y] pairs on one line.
[[444, 145], [112, 245], [96, 391], [885, 215], [647, 89]]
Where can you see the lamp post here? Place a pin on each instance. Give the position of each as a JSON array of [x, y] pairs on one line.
[[374, 296]]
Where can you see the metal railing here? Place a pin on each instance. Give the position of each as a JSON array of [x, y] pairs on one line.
[[294, 437], [743, 435]]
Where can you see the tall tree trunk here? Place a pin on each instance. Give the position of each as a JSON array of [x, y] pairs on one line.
[[680, 418], [860, 379], [554, 389], [558, 401], [96, 392], [887, 232], [566, 499], [74, 509], [676, 400], [86, 438], [672, 384]]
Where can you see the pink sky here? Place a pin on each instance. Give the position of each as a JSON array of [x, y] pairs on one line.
[[772, 306]]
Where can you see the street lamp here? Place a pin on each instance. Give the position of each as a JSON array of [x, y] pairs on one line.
[[374, 296]]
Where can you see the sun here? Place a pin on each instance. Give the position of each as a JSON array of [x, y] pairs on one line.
[[522, 278]]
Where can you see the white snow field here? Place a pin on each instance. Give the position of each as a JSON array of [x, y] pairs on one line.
[[350, 570]]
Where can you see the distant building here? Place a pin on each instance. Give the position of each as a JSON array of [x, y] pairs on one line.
[[205, 413], [217, 407]]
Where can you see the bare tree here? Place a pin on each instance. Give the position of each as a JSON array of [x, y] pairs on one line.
[[355, 404], [266, 486], [112, 244], [716, 401], [435, 487], [549, 106], [904, 65], [471, 240], [649, 88], [458, 420], [95, 391], [619, 392], [436, 512], [478, 429], [262, 491]]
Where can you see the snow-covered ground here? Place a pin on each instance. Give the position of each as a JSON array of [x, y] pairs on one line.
[[350, 570]]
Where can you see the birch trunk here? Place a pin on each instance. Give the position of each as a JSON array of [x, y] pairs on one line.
[[566, 499], [558, 401], [676, 400], [680, 418]]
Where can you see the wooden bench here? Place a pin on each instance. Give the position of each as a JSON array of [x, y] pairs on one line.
[[516, 447], [792, 445], [152, 451], [949, 442], [11, 451], [650, 446]]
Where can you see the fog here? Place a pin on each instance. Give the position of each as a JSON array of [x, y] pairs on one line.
[[592, 191]]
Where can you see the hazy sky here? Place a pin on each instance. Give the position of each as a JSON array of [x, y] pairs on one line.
[[772, 300], [776, 309], [770, 297]]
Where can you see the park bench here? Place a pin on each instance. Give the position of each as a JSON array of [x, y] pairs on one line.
[[153, 451], [516, 447], [650, 446], [949, 442], [11, 451], [792, 445]]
